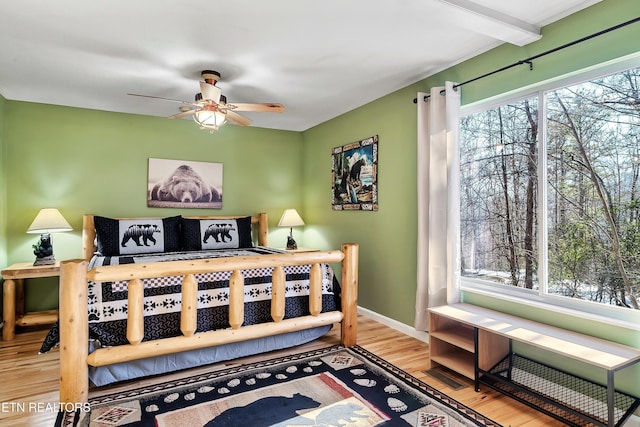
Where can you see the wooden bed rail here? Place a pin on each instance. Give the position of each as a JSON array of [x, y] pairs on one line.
[[74, 381], [128, 352], [210, 265]]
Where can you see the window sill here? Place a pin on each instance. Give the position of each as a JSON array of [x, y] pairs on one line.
[[627, 319]]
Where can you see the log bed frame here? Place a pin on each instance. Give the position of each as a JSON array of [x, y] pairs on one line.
[[74, 381]]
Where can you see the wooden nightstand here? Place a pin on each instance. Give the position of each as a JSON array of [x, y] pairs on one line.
[[295, 251], [13, 297]]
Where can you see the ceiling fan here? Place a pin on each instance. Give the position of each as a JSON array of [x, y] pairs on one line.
[[210, 109]]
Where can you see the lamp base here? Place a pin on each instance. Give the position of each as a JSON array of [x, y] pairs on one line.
[[46, 260], [291, 244]]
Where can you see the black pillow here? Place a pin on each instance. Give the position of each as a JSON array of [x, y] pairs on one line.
[[137, 236], [202, 234]]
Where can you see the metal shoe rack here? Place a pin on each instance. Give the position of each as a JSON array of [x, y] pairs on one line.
[[571, 399]]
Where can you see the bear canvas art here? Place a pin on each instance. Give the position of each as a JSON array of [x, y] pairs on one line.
[[184, 184]]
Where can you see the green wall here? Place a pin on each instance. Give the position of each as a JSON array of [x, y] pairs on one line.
[[3, 184], [387, 237], [87, 161]]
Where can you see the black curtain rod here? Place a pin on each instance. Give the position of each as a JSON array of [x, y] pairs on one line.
[[532, 58]]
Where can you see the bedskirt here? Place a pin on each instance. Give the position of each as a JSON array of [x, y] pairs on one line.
[[104, 375]]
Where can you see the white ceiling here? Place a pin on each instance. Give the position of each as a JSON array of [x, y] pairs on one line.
[[318, 58]]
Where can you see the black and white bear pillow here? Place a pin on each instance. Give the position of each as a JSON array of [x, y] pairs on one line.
[[137, 236], [205, 234]]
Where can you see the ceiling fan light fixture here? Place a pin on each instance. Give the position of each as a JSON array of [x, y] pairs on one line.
[[210, 109], [210, 120]]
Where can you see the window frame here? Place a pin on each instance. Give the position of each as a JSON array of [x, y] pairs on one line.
[[586, 309]]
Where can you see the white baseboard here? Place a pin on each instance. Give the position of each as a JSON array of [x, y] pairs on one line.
[[398, 326]]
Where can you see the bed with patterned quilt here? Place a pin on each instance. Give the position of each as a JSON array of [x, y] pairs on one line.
[[155, 295]]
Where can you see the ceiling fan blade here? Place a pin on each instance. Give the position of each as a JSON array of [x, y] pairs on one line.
[[210, 92], [261, 108], [165, 99], [238, 119], [184, 114]]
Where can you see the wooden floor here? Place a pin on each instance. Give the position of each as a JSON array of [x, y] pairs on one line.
[[29, 381]]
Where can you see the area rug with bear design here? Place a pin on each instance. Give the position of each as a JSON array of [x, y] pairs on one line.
[[334, 386]]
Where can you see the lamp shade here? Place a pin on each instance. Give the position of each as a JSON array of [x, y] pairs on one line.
[[49, 220], [290, 218]]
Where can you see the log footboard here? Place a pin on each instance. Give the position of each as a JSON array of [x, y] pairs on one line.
[[74, 357]]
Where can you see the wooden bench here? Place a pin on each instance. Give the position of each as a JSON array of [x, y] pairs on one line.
[[477, 342]]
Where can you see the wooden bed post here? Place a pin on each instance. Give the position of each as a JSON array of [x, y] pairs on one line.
[[74, 334], [236, 299], [349, 282], [135, 311], [189, 310], [88, 236], [315, 290], [263, 229], [278, 293]]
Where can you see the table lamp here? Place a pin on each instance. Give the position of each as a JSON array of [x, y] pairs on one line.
[[290, 218], [47, 221]]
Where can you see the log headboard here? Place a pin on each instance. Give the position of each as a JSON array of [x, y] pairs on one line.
[[259, 221]]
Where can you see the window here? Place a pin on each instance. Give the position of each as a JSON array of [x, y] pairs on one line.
[[550, 193]]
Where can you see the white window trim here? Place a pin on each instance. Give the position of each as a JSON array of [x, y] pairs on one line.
[[609, 314]]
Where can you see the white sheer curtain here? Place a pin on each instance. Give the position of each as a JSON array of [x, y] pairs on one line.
[[438, 201]]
